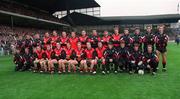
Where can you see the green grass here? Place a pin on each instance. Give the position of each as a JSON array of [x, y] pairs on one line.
[[27, 85]]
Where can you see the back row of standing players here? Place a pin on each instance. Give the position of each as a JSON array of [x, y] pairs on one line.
[[84, 53]]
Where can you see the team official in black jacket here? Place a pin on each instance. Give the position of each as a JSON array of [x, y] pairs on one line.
[[28, 60], [136, 57], [28, 42], [18, 60], [110, 57], [20, 44], [122, 56], [150, 60]]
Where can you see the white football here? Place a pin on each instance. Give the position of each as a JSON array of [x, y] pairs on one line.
[[141, 72]]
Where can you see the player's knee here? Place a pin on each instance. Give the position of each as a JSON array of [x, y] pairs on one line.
[[50, 62], [82, 62], [60, 61], [41, 62], [92, 62]]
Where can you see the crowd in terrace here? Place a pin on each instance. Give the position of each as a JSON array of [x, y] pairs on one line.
[[8, 37]]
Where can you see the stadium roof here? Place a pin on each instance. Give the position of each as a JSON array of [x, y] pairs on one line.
[[82, 19], [59, 5], [151, 19], [25, 22]]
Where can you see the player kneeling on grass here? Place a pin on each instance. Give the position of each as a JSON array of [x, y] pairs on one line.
[[90, 58], [99, 56], [151, 60], [80, 57], [18, 60], [136, 63], [122, 55], [28, 60], [110, 58]]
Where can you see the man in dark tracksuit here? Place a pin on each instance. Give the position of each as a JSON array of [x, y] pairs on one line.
[[18, 60], [177, 40], [122, 56], [161, 40], [94, 39], [20, 44], [137, 38], [136, 60], [128, 40], [149, 39], [28, 60], [28, 43], [109, 55], [37, 41], [150, 60]]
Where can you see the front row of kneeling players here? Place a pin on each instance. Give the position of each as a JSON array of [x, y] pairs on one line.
[[87, 60]]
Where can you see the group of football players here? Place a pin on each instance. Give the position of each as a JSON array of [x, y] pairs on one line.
[[119, 52]]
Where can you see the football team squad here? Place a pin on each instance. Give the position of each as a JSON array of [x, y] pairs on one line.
[[88, 54]]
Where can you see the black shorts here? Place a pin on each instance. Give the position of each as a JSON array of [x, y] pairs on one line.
[[161, 50], [63, 45]]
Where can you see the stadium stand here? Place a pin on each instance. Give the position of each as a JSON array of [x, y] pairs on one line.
[[18, 17], [17, 8], [8, 36]]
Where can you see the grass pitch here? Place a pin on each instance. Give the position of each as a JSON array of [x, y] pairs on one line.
[[28, 85]]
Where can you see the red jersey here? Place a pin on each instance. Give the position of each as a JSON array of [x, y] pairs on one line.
[[48, 53], [83, 40], [79, 53], [39, 54], [73, 42], [116, 37], [100, 52], [105, 40], [68, 52], [54, 39], [58, 51], [89, 53], [64, 40], [46, 39]]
